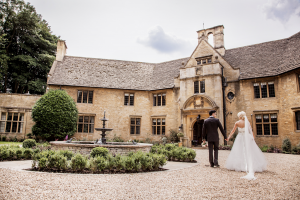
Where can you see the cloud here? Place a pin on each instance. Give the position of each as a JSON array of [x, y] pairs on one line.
[[164, 43], [282, 10]]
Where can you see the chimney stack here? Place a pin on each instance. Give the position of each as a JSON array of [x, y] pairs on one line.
[[61, 50]]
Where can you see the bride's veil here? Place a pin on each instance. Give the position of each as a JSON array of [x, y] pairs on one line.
[[249, 155]]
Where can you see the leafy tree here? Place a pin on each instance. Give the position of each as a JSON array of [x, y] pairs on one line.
[[27, 48], [55, 115]]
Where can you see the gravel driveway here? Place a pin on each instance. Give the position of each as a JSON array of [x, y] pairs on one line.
[[280, 181]]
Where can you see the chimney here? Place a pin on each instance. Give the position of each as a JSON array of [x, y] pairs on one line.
[[218, 35], [61, 50]]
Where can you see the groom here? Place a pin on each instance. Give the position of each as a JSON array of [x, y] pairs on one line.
[[210, 128]]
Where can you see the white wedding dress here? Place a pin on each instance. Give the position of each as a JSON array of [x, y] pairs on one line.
[[245, 155]]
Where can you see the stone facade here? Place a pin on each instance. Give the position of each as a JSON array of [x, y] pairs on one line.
[[225, 80]]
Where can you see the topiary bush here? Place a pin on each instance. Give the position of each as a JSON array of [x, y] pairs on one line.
[[66, 153], [28, 153], [29, 143], [55, 115], [78, 162], [286, 145], [57, 161], [99, 151], [98, 163]]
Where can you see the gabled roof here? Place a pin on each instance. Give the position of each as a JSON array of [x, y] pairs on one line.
[[103, 73], [266, 59]]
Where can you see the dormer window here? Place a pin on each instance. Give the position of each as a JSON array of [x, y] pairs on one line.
[[203, 60]]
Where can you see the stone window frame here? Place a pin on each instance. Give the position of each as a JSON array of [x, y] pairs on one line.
[[204, 60], [295, 110], [199, 84], [259, 84], [135, 125], [90, 125], [156, 99], [262, 113], [298, 81], [20, 124], [161, 128], [129, 100], [88, 96]]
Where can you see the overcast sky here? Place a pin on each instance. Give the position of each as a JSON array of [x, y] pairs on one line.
[[162, 30]]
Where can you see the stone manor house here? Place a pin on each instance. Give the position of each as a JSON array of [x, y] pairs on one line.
[[146, 100]]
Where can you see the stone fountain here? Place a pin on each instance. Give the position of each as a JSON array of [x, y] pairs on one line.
[[103, 130]]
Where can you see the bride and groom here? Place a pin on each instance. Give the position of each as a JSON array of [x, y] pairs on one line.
[[245, 155]]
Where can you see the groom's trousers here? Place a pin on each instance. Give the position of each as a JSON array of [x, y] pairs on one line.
[[213, 146]]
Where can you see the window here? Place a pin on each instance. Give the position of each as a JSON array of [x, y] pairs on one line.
[[85, 124], [11, 122], [297, 114], [84, 96], [299, 82], [203, 61], [264, 90], [135, 126], [196, 87], [159, 99], [266, 124], [129, 99], [158, 126]]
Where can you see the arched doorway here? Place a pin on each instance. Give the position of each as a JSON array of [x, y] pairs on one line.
[[197, 132]]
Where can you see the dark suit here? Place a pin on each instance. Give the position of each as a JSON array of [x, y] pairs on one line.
[[210, 129]]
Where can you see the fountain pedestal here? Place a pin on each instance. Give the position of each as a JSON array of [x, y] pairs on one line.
[[103, 130]]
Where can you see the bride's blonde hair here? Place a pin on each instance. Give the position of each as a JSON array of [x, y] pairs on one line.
[[242, 115]]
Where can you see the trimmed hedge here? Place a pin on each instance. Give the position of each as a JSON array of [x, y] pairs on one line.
[[29, 143], [175, 153]]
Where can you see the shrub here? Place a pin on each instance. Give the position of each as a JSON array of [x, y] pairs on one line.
[[129, 163], [29, 143], [55, 115], [29, 135], [12, 153], [43, 163], [19, 153], [78, 162], [57, 161], [66, 153], [117, 138], [99, 163], [3, 138], [99, 151], [28, 153], [173, 136], [4, 153], [119, 162], [286, 145]]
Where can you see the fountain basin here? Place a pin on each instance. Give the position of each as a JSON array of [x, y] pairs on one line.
[[85, 147]]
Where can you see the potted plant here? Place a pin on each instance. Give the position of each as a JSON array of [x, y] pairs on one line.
[[204, 144], [180, 135]]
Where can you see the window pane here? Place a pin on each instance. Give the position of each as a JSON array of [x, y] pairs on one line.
[[85, 128], [158, 130], [85, 93], [202, 86], [138, 129], [14, 127], [274, 129], [273, 117], [256, 90], [158, 121], [15, 117], [271, 89], [20, 128], [91, 128], [132, 129], [164, 99], [2, 126], [138, 121], [154, 99], [80, 119], [8, 126], [266, 118], [266, 129], [209, 60], [298, 120], [196, 87], [79, 96], [163, 122], [198, 62], [258, 118], [86, 119], [264, 90], [153, 121], [3, 116], [90, 96], [131, 99], [154, 130], [80, 128], [21, 118], [132, 121], [203, 61], [92, 120], [9, 116], [163, 130], [159, 100], [126, 99], [258, 129]]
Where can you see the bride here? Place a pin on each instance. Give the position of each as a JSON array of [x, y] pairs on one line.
[[245, 155]]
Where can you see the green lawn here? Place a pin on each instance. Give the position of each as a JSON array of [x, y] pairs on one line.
[[9, 143]]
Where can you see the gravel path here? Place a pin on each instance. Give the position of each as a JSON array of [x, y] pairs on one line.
[[280, 181]]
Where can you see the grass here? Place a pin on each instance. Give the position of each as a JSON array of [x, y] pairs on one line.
[[10, 143]]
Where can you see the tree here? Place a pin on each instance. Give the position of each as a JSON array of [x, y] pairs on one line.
[[27, 48], [55, 115]]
